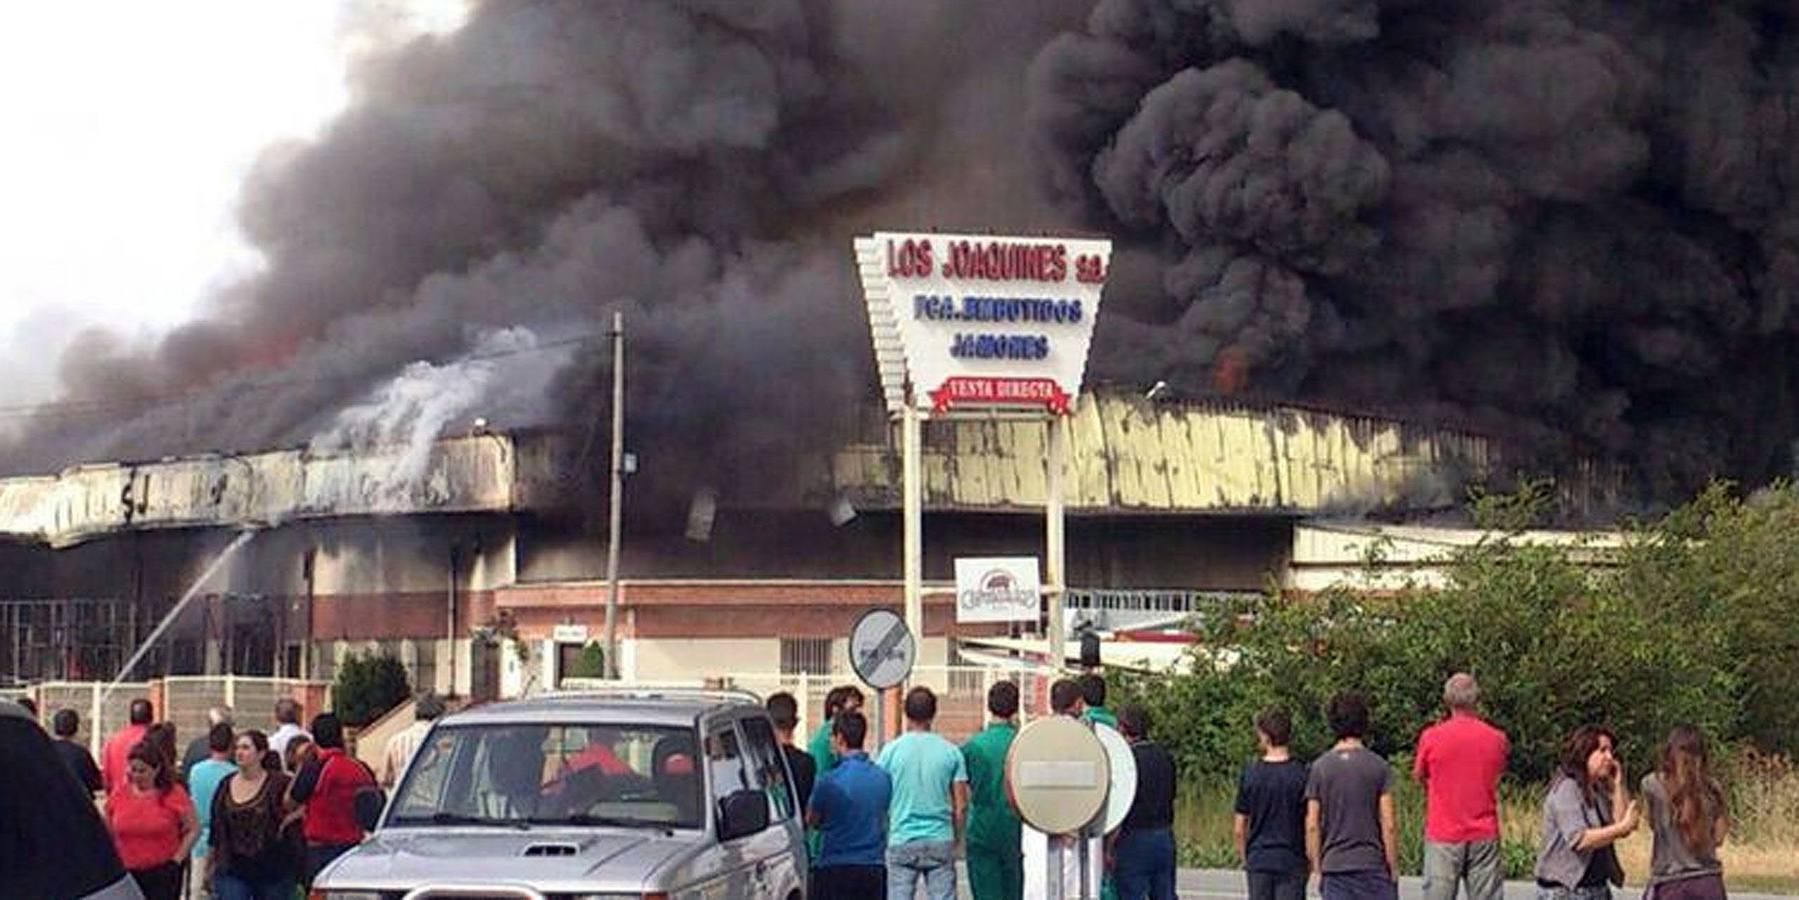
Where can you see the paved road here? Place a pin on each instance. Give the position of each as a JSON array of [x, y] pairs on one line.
[[1223, 884]]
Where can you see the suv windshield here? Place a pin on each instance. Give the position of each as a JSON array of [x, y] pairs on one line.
[[518, 775]]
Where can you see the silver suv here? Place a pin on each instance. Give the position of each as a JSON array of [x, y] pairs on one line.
[[616, 794]]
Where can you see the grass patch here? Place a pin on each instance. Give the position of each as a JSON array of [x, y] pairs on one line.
[[1761, 855]]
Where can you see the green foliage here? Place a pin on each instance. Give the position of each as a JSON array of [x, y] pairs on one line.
[[591, 664], [367, 687], [1530, 506], [1689, 620]]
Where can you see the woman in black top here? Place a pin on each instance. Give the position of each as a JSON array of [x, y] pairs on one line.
[[250, 858]]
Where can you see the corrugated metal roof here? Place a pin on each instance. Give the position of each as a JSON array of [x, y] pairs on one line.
[[467, 474], [1130, 454], [1367, 556]]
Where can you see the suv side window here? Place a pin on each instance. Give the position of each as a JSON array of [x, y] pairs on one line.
[[765, 754], [726, 766]]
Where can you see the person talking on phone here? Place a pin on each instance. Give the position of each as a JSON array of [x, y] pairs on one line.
[[1585, 813]]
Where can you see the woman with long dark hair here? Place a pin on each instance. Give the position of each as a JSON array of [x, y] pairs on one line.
[[250, 858], [1586, 811], [1688, 817], [152, 822]]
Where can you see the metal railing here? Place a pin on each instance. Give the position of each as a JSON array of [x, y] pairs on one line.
[[961, 691], [182, 700]]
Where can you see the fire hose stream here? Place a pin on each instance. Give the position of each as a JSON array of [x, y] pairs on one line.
[[218, 562]]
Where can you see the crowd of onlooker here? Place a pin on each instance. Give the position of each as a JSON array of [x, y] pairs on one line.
[[239, 814], [1335, 818], [886, 825], [883, 826], [246, 814]]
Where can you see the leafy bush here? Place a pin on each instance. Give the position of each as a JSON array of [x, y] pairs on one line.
[[591, 664], [367, 687], [1688, 621]]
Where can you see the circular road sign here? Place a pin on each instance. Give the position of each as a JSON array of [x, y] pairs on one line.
[[1124, 775], [881, 649], [1059, 774]]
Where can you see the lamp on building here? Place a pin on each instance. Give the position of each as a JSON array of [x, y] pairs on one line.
[[1156, 391]]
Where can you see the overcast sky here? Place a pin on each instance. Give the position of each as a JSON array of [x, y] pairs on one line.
[[129, 128]]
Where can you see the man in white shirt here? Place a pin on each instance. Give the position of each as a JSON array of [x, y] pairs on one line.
[[402, 746], [287, 725]]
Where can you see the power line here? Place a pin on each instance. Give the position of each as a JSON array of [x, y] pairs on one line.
[[72, 408]]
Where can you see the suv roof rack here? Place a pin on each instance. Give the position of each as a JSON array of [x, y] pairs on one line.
[[654, 691]]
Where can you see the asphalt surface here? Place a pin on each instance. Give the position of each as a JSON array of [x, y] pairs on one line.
[[1226, 884]]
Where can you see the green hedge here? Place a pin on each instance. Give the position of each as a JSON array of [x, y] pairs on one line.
[[367, 687]]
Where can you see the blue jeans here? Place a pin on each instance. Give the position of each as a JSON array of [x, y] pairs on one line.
[[934, 861], [226, 886], [1143, 865]]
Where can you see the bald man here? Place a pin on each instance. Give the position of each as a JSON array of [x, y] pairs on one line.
[[1459, 762]]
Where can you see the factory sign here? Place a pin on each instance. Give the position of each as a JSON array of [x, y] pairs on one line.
[[982, 321], [997, 589]]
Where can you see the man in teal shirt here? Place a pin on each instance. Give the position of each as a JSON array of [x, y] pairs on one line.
[[203, 782], [930, 792], [995, 861]]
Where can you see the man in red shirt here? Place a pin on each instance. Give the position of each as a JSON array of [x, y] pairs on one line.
[[113, 752], [1459, 762], [326, 787]]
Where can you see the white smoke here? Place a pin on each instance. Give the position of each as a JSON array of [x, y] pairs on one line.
[[504, 379]]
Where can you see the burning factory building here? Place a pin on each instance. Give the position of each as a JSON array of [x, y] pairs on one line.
[[1531, 234], [483, 574]]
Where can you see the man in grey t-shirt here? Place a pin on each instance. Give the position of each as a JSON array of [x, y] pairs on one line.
[[1349, 812]]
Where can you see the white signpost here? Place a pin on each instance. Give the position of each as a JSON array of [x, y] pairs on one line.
[[997, 589], [981, 323]]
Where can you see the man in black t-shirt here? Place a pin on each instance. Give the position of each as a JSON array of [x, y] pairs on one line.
[[1143, 852], [784, 711], [1271, 811], [66, 722]]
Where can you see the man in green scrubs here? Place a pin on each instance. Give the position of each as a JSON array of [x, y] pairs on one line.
[[1093, 692], [995, 862], [841, 698], [1093, 697]]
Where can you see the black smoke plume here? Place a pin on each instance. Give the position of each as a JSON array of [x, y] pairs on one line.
[[700, 164], [1570, 221]]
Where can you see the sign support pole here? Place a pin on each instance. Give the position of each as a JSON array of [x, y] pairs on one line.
[[911, 441], [1055, 538], [616, 499]]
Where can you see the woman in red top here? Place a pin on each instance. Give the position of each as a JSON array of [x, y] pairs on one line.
[[152, 822]]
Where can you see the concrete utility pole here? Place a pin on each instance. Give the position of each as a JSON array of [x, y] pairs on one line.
[[616, 515], [1056, 541], [912, 528]]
